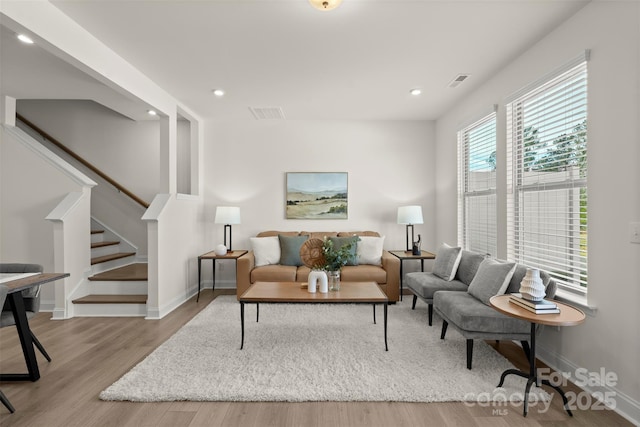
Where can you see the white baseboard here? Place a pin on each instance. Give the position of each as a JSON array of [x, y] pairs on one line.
[[625, 405]]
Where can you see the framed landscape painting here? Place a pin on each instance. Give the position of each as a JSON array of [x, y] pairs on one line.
[[317, 195]]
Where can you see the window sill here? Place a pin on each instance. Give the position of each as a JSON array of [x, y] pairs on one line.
[[579, 301]]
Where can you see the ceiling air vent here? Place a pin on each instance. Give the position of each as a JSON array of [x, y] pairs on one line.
[[459, 79], [267, 113]]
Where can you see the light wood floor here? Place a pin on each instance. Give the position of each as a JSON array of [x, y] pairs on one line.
[[89, 354]]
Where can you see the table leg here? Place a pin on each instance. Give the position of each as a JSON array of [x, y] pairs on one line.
[[242, 324], [199, 276], [374, 313], [257, 312], [24, 333], [532, 377], [214, 275], [401, 279], [386, 347]]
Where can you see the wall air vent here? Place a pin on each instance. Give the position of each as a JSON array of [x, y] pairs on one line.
[[459, 79], [267, 113]]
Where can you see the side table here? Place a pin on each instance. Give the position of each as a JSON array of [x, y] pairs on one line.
[[234, 255], [405, 255], [568, 316]]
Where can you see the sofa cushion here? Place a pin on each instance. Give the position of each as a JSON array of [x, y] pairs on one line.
[[468, 314], [426, 284], [492, 278], [447, 261], [363, 273], [290, 249], [266, 250], [274, 273], [339, 242], [369, 250], [469, 263]]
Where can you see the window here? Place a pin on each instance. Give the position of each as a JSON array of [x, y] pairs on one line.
[[477, 186], [547, 177]]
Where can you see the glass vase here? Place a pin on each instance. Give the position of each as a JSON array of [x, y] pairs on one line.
[[334, 280]]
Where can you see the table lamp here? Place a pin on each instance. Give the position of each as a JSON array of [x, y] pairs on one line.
[[410, 215], [227, 215]]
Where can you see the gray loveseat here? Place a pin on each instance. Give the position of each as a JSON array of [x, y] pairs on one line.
[[463, 303]]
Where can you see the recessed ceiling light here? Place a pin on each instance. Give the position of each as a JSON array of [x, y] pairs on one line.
[[415, 92], [25, 39], [152, 112], [218, 92]]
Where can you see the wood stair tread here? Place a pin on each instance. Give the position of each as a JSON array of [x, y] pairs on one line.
[[131, 272], [112, 299], [97, 231], [105, 243], [105, 258]]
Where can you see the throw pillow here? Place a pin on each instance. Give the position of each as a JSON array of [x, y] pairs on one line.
[[492, 278], [447, 261], [266, 250], [290, 249], [339, 242], [369, 250]]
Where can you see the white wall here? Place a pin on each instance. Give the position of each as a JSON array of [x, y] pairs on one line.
[[390, 164], [30, 188], [610, 339]]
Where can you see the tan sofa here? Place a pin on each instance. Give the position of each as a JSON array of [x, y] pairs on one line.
[[387, 275]]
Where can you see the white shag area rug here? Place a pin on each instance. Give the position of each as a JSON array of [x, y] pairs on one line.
[[317, 353]]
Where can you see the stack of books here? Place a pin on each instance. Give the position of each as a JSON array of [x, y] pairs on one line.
[[538, 307]]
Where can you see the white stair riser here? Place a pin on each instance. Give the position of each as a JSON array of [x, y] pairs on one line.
[[105, 250], [98, 237], [109, 265], [110, 287], [109, 310]]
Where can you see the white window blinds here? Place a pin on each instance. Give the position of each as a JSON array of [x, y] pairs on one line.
[[547, 178], [477, 186]]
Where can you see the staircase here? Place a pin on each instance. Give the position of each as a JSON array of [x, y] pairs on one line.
[[118, 284]]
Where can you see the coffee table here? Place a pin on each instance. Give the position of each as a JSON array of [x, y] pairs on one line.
[[293, 293]]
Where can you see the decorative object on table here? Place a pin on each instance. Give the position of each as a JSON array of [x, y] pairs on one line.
[[317, 280], [220, 250], [543, 306], [410, 215], [330, 255], [227, 215], [531, 286], [317, 195], [334, 280], [416, 246]]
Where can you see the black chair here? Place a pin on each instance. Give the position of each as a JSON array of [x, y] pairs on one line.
[[31, 299], [3, 398]]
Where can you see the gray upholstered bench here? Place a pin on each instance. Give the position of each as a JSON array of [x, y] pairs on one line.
[[463, 300]]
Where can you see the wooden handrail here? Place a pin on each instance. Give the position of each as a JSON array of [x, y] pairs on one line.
[[94, 169]]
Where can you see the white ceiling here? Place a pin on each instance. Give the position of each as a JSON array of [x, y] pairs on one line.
[[357, 62]]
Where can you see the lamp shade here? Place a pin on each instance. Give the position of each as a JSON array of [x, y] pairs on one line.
[[410, 215], [227, 215]]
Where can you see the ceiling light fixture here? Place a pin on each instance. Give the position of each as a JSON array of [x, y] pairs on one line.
[[218, 92], [152, 112], [25, 39], [415, 92], [325, 5]]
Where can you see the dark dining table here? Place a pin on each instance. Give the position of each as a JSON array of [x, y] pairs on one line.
[[18, 282]]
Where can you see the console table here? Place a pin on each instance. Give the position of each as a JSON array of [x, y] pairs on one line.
[[568, 316], [16, 286], [234, 255], [405, 255]]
